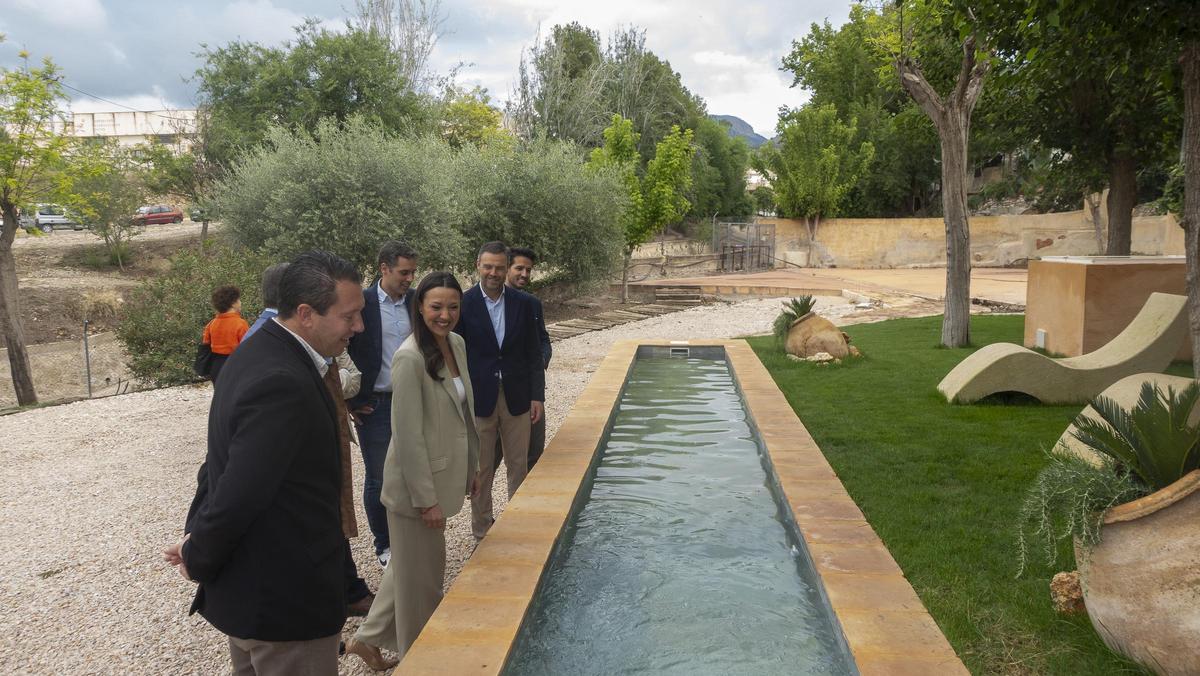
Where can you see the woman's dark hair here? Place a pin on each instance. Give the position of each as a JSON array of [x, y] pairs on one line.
[[311, 279], [426, 341], [224, 297]]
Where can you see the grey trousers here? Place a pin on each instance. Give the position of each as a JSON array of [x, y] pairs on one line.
[[318, 657], [412, 585], [513, 432]]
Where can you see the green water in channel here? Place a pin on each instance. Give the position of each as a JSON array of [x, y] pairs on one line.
[[679, 561]]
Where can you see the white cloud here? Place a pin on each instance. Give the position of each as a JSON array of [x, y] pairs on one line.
[[117, 54], [259, 21], [70, 14], [727, 53], [157, 100]]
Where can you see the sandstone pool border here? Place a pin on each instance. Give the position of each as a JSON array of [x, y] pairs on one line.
[[883, 622]]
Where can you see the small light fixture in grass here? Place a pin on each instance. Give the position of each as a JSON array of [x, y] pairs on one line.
[[792, 310]]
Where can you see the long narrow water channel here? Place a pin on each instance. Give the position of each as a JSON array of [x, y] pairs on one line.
[[680, 560]]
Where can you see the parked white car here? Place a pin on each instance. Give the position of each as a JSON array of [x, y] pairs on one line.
[[47, 217]]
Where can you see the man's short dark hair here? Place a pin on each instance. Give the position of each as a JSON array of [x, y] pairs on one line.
[[311, 279], [270, 284], [522, 252], [223, 297], [393, 249], [492, 248]]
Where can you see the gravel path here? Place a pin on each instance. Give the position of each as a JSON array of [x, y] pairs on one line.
[[92, 491]]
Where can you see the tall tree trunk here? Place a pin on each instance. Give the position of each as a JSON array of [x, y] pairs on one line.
[[956, 323], [1191, 188], [10, 314], [812, 238], [952, 118], [1122, 195], [625, 276], [203, 234], [1093, 204]]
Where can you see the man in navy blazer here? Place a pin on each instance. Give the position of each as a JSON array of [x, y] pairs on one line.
[[504, 359], [386, 324]]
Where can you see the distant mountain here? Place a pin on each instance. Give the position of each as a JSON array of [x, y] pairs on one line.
[[739, 127]]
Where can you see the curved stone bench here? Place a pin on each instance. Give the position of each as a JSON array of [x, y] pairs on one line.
[[1125, 393], [1147, 345]]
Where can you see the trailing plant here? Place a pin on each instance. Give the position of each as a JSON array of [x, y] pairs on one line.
[[1067, 500], [1140, 450], [792, 310]]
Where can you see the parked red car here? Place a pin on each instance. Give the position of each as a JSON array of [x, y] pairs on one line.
[[158, 213]]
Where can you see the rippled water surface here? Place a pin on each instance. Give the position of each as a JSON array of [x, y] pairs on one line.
[[678, 562]]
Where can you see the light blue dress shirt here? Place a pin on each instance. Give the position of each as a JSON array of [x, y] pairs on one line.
[[395, 326], [495, 310]]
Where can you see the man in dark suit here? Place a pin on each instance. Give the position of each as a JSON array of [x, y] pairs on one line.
[[504, 358], [520, 272], [386, 323], [266, 543]]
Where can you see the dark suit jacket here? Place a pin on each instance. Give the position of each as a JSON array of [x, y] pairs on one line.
[[366, 348], [543, 334], [266, 540], [519, 360]]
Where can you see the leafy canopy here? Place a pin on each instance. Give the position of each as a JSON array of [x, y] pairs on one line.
[[816, 165], [657, 198]]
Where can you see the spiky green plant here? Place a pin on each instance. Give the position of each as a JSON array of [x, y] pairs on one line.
[[1153, 439], [1142, 450], [792, 310]]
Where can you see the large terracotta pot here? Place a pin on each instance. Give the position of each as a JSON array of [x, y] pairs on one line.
[[812, 333], [1141, 584]]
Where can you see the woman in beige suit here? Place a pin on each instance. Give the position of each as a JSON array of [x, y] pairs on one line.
[[431, 465]]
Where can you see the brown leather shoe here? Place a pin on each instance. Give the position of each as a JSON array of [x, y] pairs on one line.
[[361, 607], [370, 654]]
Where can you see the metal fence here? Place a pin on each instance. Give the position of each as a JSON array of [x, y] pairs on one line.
[[744, 246], [71, 369]]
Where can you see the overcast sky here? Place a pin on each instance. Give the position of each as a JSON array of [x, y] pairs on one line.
[[139, 52]]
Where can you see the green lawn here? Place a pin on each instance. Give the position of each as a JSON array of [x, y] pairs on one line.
[[942, 485]]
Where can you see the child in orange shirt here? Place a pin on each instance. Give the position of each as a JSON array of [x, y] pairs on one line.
[[226, 330]]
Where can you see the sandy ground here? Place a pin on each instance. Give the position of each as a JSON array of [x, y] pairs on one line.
[[92, 491]]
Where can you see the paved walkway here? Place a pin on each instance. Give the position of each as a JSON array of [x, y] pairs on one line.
[[1003, 285]]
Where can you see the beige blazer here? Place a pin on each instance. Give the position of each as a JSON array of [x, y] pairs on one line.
[[435, 449]]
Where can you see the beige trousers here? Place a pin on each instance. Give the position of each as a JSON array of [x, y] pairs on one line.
[[513, 431], [318, 657], [411, 588]]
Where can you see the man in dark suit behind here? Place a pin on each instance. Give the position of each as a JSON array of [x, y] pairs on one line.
[[265, 543], [520, 272], [386, 325], [504, 358]]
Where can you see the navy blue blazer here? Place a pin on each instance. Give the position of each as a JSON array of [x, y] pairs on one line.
[[543, 334], [518, 360], [366, 348]]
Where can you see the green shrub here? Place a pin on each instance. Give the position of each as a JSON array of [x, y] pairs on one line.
[[349, 188], [792, 310], [165, 316]]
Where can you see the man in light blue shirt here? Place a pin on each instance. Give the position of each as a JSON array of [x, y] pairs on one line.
[[386, 324]]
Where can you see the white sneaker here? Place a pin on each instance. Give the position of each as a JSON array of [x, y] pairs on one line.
[[384, 557]]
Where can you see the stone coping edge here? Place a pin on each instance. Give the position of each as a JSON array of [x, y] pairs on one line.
[[883, 623]]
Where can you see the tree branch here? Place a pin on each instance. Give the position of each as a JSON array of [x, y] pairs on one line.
[[965, 70], [914, 82]]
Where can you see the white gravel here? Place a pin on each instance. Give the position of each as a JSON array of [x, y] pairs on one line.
[[92, 492]]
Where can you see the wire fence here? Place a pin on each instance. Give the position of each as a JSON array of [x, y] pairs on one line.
[[71, 369]]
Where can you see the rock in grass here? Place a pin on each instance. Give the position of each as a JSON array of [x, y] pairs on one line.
[[1067, 594]]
